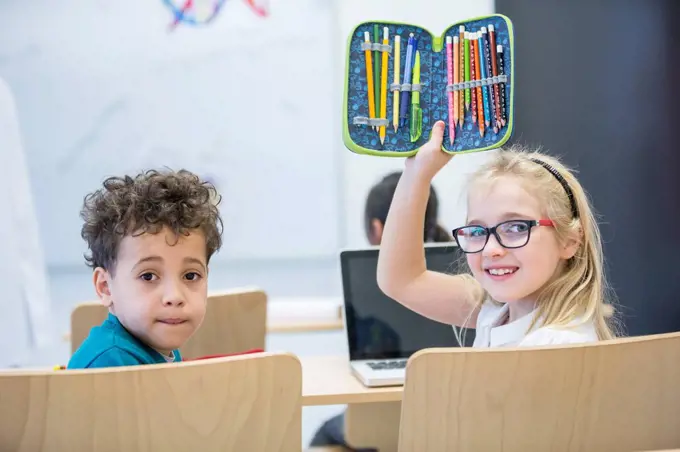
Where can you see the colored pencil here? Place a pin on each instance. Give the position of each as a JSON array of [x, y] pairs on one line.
[[467, 69], [482, 76], [449, 78], [494, 71], [461, 75], [456, 75], [369, 77], [501, 86], [383, 84], [487, 70], [480, 91], [376, 66], [473, 76], [397, 76]]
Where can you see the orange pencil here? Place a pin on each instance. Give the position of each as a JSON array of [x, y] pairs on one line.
[[369, 77], [478, 71]]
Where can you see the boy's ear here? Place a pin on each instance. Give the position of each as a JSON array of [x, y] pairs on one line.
[[102, 285], [376, 232]]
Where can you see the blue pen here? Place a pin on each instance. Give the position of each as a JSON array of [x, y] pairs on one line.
[[408, 65], [485, 89]]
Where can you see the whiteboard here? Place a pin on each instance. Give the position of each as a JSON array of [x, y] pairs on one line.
[[104, 89]]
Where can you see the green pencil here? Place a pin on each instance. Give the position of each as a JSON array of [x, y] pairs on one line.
[[467, 69], [376, 65]]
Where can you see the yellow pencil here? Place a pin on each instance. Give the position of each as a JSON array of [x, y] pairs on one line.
[[383, 85], [369, 77], [397, 75]]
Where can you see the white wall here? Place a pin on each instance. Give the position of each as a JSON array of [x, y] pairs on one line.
[[104, 89], [90, 100], [360, 172]]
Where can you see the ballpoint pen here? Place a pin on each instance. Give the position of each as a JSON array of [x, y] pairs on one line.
[[405, 95]]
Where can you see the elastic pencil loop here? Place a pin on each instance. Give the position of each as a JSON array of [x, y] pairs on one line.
[[416, 87], [395, 87], [375, 46], [373, 122], [477, 83]]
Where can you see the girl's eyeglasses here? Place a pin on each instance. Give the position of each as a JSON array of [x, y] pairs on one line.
[[510, 234]]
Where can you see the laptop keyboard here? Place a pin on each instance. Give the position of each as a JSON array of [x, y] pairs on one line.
[[387, 365]]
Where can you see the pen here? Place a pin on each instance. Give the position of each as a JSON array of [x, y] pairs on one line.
[[403, 113]]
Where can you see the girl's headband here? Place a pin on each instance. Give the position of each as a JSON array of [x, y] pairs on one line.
[[563, 182]]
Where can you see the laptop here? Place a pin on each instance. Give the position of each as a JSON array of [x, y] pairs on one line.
[[381, 333]]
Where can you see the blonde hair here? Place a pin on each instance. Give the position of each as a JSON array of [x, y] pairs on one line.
[[580, 290]]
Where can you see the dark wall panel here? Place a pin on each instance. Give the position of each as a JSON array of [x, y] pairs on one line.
[[598, 84]]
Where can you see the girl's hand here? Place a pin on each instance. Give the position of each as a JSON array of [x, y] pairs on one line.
[[430, 158]]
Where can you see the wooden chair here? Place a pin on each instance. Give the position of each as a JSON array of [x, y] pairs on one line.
[[620, 395], [234, 321], [242, 403]]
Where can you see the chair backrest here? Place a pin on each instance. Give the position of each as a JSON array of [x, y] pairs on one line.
[[620, 395], [84, 317], [234, 321], [243, 403]]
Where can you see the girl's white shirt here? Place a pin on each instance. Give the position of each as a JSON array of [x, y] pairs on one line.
[[491, 330]]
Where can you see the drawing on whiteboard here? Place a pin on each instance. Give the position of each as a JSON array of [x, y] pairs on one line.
[[203, 12]]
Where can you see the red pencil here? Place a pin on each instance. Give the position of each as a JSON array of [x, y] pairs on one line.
[[478, 70], [473, 76], [494, 71]]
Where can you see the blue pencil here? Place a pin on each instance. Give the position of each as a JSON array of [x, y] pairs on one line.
[[408, 66], [485, 89]]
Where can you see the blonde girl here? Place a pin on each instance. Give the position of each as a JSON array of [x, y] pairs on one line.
[[531, 243]]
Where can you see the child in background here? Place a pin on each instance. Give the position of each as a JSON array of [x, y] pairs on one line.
[[332, 432], [150, 238], [378, 206], [532, 244]]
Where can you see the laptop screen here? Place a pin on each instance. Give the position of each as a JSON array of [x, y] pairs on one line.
[[379, 327]]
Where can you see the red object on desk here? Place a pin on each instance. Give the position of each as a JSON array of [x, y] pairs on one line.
[[249, 352]]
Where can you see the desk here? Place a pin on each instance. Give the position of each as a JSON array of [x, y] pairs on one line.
[[303, 326], [328, 380], [373, 414]]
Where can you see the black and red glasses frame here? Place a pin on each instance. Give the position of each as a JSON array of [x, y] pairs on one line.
[[519, 230]]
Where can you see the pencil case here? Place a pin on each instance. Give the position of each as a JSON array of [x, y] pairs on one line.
[[472, 80]]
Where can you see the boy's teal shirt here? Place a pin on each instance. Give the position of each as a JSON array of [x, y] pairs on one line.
[[111, 345]]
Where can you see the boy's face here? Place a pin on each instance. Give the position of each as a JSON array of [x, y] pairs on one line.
[[159, 287]]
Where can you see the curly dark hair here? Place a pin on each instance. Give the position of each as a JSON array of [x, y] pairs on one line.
[[148, 202]]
